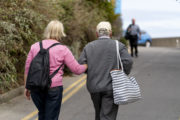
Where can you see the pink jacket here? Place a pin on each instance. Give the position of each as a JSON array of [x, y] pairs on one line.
[[58, 55]]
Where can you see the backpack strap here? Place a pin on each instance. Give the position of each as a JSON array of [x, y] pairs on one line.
[[40, 44], [53, 45], [55, 72]]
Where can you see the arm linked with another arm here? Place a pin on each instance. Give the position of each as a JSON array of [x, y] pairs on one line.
[[72, 63], [83, 58]]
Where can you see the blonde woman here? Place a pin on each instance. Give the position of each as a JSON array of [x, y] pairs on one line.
[[48, 102]]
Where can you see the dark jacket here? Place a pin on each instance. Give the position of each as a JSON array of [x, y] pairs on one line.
[[100, 55]]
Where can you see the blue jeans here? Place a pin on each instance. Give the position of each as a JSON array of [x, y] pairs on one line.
[[48, 103]]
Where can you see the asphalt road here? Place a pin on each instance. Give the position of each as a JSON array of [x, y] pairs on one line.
[[157, 71]]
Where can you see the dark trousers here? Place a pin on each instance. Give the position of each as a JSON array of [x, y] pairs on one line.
[[105, 109], [48, 103], [134, 45]]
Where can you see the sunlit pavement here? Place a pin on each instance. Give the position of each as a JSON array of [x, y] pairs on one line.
[[157, 70]]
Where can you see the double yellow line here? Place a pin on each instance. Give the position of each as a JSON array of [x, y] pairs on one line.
[[81, 82]]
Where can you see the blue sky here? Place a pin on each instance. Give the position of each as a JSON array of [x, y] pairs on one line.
[[160, 18]]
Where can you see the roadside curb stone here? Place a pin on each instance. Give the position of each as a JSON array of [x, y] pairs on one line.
[[19, 91], [11, 94]]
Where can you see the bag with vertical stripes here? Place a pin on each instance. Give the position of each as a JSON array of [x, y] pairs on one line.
[[125, 89]]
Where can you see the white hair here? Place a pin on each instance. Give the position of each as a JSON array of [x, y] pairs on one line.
[[104, 28], [54, 30]]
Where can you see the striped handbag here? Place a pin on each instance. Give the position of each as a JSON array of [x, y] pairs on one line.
[[125, 89]]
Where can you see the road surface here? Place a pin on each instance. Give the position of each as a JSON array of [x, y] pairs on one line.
[[157, 71]]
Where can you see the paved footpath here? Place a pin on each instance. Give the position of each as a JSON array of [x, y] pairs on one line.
[[158, 73]]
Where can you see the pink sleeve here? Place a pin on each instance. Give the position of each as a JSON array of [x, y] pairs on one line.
[[72, 63], [28, 61]]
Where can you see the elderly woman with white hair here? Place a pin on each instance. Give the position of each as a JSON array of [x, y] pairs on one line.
[[48, 101], [100, 56]]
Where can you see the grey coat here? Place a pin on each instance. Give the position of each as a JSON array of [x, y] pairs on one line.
[[100, 55]]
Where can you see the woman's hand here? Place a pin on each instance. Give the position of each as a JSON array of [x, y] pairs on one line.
[[27, 94], [85, 65]]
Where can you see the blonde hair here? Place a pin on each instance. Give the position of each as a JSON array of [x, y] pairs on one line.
[[104, 28], [54, 30]]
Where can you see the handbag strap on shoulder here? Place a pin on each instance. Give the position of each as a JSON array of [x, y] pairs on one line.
[[118, 56]]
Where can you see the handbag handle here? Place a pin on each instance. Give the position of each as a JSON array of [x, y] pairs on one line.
[[118, 55]]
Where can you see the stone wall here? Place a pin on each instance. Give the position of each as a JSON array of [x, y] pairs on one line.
[[166, 42]]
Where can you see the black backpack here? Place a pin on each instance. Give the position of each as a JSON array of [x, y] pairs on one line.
[[127, 34], [38, 76]]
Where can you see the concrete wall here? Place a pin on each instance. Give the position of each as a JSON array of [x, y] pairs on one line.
[[166, 42]]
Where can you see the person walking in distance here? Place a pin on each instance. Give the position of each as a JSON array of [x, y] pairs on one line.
[[134, 34], [101, 57], [48, 101]]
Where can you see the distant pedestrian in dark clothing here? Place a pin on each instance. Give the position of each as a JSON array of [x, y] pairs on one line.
[[134, 32], [101, 57]]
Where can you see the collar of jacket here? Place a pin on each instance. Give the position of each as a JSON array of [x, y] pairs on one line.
[[104, 37]]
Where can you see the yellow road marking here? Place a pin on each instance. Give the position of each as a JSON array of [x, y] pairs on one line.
[[64, 98], [30, 115], [74, 84], [73, 92]]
